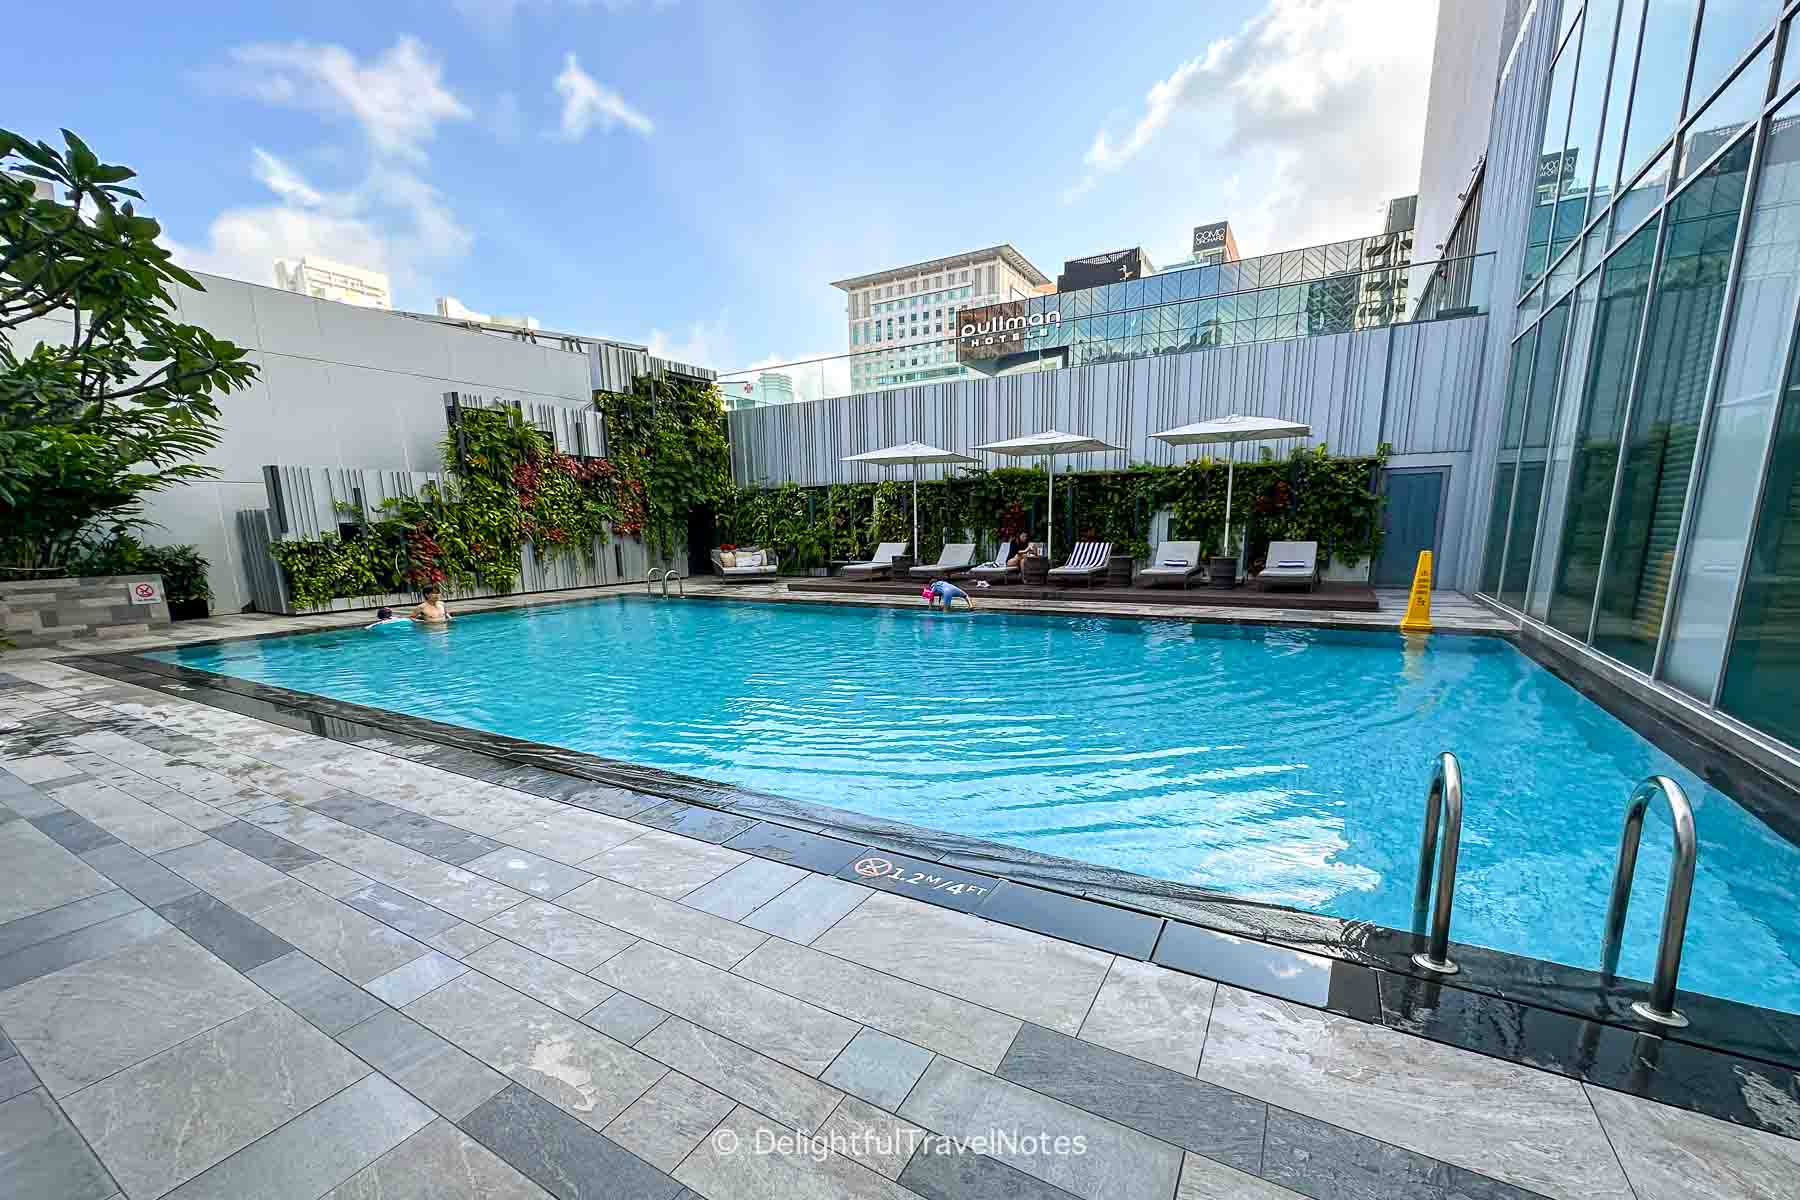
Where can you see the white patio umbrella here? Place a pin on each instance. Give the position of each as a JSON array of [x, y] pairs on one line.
[[1048, 444], [1232, 429], [913, 453]]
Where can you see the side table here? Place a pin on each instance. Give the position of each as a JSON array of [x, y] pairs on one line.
[[1118, 570]]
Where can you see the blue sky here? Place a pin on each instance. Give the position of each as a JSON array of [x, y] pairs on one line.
[[694, 173]]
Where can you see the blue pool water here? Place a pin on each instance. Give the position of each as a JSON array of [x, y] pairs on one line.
[[1285, 765]]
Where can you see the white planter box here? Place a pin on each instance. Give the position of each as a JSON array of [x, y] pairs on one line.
[[1336, 572]]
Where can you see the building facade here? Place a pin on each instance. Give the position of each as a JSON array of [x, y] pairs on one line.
[[1335, 288], [324, 279], [897, 319], [1643, 505], [456, 310]]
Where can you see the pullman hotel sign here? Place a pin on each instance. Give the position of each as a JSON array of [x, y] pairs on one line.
[[996, 330]]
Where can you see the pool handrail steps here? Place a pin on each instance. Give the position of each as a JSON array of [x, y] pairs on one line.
[[1660, 1006], [655, 573], [1443, 797]]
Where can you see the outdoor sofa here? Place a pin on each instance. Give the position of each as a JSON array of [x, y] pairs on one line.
[[745, 564]]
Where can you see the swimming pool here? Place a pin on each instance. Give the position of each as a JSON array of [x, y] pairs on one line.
[[1279, 764]]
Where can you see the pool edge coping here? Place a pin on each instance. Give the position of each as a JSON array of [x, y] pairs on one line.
[[1362, 957]]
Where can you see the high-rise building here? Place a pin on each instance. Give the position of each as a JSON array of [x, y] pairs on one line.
[[324, 279], [902, 322], [1636, 463], [456, 310]]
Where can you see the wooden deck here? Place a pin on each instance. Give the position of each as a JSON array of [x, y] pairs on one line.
[[1340, 597]]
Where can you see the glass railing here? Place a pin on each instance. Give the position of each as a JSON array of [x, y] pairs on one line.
[[1037, 335]]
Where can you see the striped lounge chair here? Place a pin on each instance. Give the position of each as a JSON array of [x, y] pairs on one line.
[[1087, 563]]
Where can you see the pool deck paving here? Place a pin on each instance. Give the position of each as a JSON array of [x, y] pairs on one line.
[[241, 960]]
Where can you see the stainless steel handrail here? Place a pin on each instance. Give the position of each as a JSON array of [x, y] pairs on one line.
[[1443, 796], [656, 573], [1660, 1007], [650, 577]]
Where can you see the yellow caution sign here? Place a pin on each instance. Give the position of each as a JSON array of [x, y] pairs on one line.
[[1418, 605]]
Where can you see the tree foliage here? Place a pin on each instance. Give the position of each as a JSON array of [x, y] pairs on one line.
[[118, 402]]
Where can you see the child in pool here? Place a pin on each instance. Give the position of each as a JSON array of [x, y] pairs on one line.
[[949, 593], [385, 617]]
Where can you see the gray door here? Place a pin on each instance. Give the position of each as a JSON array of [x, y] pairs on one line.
[[1410, 523]]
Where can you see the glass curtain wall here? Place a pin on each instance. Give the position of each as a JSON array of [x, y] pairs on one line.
[[1700, 229], [1507, 468], [1533, 451], [1624, 282], [1650, 432], [1751, 385]]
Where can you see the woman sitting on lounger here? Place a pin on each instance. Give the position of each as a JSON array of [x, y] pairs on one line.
[[1019, 549]]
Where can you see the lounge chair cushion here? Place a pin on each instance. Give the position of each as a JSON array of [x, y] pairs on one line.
[[756, 570]]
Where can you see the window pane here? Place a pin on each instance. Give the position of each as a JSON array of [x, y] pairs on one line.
[[1618, 95], [1645, 193], [1562, 441], [1624, 280], [1518, 383], [1762, 676], [1734, 108], [1727, 28], [1750, 386], [1584, 117], [1550, 168], [1536, 423], [1689, 296], [1661, 75]]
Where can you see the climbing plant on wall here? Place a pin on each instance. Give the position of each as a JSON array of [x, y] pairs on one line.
[[1310, 496], [507, 485], [669, 433]]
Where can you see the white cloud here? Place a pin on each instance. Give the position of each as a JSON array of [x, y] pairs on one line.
[[1326, 97], [705, 344], [393, 222], [586, 103], [495, 17], [398, 99]]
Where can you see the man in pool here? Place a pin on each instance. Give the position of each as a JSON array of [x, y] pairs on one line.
[[949, 593], [431, 609]]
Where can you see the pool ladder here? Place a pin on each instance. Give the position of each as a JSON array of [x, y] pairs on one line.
[[656, 573], [1444, 806]]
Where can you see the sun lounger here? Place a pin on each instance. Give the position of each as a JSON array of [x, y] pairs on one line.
[[956, 559], [1087, 563], [1290, 562], [745, 565], [876, 567], [997, 571], [1173, 562]]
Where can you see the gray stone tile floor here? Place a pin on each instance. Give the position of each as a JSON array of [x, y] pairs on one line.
[[238, 960]]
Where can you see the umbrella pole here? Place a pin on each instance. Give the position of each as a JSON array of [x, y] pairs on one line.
[[1230, 468], [915, 541], [1050, 533]]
